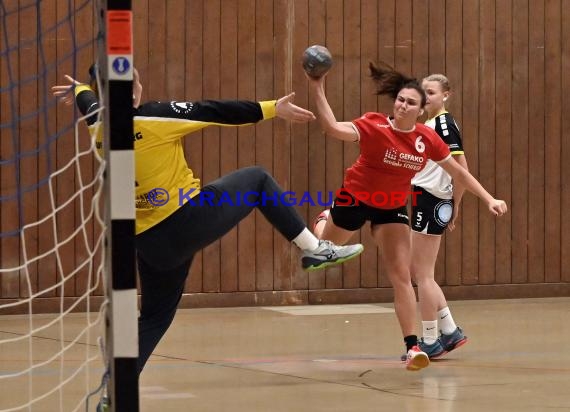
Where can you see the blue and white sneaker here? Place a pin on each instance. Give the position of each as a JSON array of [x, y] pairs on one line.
[[433, 350], [328, 254], [453, 341]]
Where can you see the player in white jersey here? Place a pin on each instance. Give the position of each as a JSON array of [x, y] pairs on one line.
[[435, 209]]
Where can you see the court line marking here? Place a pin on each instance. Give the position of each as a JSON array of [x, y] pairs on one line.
[[160, 392], [325, 310]]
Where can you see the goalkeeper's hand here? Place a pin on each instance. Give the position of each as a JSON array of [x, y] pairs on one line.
[[65, 93]]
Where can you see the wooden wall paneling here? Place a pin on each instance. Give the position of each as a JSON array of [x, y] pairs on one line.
[[284, 152], [5, 143], [194, 143], [507, 62], [351, 110], [403, 36], [49, 129], [9, 213], [297, 29], [28, 142], [504, 136], [536, 142], [470, 269], [386, 53], [552, 140], [5, 171], [368, 103], [422, 39], [565, 147], [453, 69], [387, 31], [141, 51], [141, 45], [75, 286], [211, 150], [156, 26], [65, 181], [435, 17], [265, 136], [428, 34], [175, 62], [334, 91], [486, 137], [520, 141], [150, 57], [70, 250], [228, 140], [318, 141], [246, 138], [84, 19]]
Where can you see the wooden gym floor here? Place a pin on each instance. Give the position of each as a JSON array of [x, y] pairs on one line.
[[340, 358]]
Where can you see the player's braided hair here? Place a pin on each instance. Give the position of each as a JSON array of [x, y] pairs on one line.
[[390, 82], [441, 79]]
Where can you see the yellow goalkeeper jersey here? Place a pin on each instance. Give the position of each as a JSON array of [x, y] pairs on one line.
[[164, 181]]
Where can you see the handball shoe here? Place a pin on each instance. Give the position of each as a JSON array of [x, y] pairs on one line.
[[327, 254], [416, 359], [454, 340], [433, 350]]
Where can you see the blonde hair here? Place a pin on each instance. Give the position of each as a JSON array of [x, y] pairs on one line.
[[441, 79]]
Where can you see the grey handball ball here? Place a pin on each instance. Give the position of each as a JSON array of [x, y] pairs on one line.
[[317, 60]]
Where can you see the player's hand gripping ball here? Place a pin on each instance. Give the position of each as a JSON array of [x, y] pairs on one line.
[[317, 60]]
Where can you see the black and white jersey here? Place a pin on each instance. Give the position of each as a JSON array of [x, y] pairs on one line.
[[433, 178]]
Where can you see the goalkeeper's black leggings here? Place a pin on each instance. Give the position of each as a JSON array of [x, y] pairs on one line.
[[165, 251]]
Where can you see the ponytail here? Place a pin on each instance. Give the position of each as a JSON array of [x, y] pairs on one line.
[[390, 82]]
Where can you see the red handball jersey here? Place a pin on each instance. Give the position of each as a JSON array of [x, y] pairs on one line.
[[389, 159]]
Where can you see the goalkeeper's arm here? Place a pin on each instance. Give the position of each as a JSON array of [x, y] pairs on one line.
[[83, 96], [87, 102]]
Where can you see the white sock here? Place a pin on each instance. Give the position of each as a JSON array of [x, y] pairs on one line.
[[446, 323], [306, 240], [429, 331]]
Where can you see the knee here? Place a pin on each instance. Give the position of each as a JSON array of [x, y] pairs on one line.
[[422, 275], [160, 312], [257, 176], [259, 171], [400, 277]]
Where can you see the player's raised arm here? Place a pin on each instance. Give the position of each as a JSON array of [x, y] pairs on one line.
[[340, 130]]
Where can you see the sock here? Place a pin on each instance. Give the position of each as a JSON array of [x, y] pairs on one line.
[[306, 240], [410, 340], [446, 323], [430, 332]]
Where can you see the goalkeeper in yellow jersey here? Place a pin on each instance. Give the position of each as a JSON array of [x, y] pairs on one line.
[[176, 216]]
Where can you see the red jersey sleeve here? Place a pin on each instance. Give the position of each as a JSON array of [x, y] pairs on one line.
[[366, 124]]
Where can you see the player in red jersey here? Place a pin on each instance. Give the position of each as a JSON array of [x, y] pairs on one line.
[[392, 150]]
